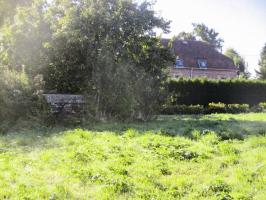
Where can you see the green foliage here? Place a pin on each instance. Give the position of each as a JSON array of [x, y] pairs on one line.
[[207, 35], [20, 100], [105, 50], [110, 58], [185, 36], [216, 107], [203, 33], [238, 61], [229, 108], [203, 91], [262, 105], [262, 64], [22, 42], [8, 9], [183, 109], [237, 108], [211, 108], [137, 162], [15, 93]]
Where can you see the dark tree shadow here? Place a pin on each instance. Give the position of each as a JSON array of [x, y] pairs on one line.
[[39, 136]]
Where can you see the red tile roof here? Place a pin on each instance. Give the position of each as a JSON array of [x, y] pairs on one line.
[[191, 51]]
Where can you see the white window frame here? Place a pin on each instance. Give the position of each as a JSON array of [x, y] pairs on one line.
[[179, 63], [202, 63]]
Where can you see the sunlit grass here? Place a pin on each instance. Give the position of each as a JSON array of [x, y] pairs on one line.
[[174, 157]]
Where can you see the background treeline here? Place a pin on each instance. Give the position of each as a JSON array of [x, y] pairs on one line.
[[204, 91]]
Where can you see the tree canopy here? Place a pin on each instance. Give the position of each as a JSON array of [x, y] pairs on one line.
[[203, 33], [106, 49], [262, 63], [237, 59], [8, 8], [208, 35], [186, 36]]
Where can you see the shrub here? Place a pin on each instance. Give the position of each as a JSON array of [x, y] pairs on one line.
[[237, 108], [230, 108], [216, 108], [15, 93], [183, 109], [262, 106], [211, 108]]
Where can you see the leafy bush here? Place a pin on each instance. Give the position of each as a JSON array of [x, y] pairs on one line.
[[183, 109], [230, 108], [121, 70], [14, 95], [262, 105], [216, 108], [237, 108], [211, 108]]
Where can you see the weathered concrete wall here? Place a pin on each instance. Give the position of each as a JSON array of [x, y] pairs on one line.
[[65, 103]]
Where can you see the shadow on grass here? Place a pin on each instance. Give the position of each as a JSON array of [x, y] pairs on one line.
[[181, 125], [39, 136]]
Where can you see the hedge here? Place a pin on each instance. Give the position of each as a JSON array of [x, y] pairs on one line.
[[212, 108], [204, 91]]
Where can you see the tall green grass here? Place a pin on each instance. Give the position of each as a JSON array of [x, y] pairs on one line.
[[179, 157]]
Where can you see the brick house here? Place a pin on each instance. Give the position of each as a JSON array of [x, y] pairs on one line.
[[199, 59]]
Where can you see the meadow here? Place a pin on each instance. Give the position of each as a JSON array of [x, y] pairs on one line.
[[218, 156]]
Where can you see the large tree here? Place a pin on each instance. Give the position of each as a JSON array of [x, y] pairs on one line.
[[262, 64], [103, 48], [238, 60], [22, 42], [208, 35], [8, 8], [185, 36]]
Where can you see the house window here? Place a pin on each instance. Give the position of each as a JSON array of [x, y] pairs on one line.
[[179, 63], [202, 63]]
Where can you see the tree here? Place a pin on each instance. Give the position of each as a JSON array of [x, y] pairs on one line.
[[185, 36], [110, 54], [105, 49], [262, 64], [8, 8], [239, 61], [22, 45], [208, 35]]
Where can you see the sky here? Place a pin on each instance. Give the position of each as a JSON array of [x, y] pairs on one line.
[[241, 23]]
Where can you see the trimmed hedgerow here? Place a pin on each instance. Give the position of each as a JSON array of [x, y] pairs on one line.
[[15, 94], [237, 108], [204, 91], [212, 108], [262, 105], [183, 109]]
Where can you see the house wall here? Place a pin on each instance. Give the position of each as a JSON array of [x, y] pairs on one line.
[[196, 72]]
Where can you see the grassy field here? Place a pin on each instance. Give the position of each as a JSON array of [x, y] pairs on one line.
[[173, 157]]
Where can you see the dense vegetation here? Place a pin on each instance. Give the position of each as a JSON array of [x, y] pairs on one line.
[[239, 62], [179, 157], [106, 50], [212, 108], [14, 92], [262, 64], [204, 33], [203, 91]]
